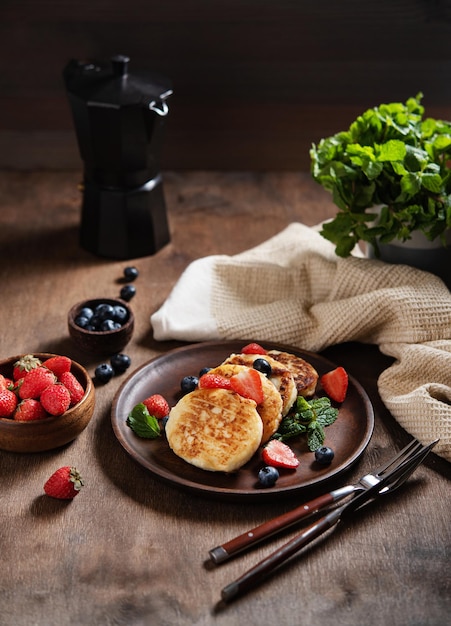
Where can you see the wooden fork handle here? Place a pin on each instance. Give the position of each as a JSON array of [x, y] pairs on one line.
[[267, 529], [260, 571]]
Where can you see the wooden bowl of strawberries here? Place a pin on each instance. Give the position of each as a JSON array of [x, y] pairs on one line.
[[46, 401]]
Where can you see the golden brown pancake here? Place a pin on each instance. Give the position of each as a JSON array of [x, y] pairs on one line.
[[271, 409], [304, 374], [280, 377], [214, 429]]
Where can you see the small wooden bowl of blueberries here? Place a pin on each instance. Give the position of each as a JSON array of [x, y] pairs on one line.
[[101, 325]]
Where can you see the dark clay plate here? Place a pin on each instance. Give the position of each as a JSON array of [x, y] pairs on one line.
[[348, 436]]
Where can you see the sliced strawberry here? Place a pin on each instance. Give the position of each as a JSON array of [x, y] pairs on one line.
[[278, 454], [214, 381], [335, 384], [253, 348], [248, 383], [157, 406]]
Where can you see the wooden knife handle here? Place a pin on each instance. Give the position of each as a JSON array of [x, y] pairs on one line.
[[267, 529], [260, 571]]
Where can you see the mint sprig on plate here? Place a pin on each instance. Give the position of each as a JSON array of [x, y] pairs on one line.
[[309, 417], [143, 423]]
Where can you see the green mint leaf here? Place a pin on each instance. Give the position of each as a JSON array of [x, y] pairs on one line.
[[315, 436], [142, 423], [326, 414]]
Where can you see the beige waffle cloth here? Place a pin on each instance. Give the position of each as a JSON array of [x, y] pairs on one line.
[[293, 289]]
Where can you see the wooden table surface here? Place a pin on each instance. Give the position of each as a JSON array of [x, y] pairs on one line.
[[130, 549]]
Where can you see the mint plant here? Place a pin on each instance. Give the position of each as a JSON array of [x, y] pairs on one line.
[[393, 158]]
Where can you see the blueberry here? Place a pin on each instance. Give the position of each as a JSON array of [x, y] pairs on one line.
[[120, 314], [131, 273], [104, 311], [120, 362], [324, 455], [81, 321], [108, 325], [262, 365], [95, 322], [127, 292], [164, 421], [86, 311], [104, 373], [189, 383], [267, 476], [204, 370]]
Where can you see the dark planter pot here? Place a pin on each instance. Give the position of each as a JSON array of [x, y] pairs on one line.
[[419, 252]]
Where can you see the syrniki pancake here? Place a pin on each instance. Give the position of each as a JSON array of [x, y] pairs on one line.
[[214, 429], [281, 376], [305, 376], [271, 409]]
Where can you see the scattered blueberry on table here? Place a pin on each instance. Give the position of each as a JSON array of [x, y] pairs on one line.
[[127, 292]]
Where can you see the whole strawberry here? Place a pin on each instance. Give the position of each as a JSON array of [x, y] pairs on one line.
[[29, 410], [75, 389], [64, 484], [35, 382], [55, 399], [157, 406], [24, 365], [58, 364], [8, 403]]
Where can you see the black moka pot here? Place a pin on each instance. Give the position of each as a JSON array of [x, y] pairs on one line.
[[119, 122]]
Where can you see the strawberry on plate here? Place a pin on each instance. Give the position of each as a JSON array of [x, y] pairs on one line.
[[157, 406], [248, 384], [64, 484], [335, 384], [253, 348], [278, 454], [214, 381]]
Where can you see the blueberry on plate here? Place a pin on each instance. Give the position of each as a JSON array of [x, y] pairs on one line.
[[262, 366], [104, 373], [127, 292], [268, 476], [324, 455], [120, 362], [131, 273], [189, 383], [204, 370]]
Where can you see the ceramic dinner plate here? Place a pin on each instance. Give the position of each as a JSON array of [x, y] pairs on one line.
[[348, 436]]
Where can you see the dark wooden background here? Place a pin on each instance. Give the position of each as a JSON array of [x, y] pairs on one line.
[[255, 81]]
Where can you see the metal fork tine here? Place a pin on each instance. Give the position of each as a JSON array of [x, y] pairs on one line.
[[399, 458]]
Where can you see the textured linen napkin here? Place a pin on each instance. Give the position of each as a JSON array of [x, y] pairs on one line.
[[293, 289]]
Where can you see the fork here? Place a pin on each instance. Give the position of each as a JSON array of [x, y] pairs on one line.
[[268, 529], [388, 484]]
